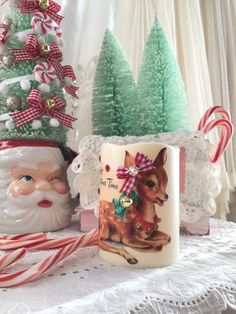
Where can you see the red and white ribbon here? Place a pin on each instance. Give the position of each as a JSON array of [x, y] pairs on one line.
[[68, 72], [141, 164], [37, 270], [46, 73], [39, 107], [226, 132], [33, 51], [42, 23], [33, 6], [4, 29]]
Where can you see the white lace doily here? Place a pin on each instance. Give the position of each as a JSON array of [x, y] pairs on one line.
[[203, 281], [202, 178]]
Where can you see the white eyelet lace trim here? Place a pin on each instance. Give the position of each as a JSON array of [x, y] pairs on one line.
[[203, 181]]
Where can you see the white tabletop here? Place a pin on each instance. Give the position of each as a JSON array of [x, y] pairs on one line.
[[203, 281]]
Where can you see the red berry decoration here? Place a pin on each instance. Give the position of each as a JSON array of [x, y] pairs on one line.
[[107, 168]]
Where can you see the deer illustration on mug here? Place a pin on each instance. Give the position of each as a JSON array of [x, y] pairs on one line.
[[132, 220]]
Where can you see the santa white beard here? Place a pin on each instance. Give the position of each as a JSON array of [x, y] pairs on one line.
[[22, 214]]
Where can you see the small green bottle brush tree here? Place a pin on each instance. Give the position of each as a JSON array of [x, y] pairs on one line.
[[157, 104], [114, 90]]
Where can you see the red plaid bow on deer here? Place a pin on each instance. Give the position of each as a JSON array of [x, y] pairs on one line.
[[141, 164]]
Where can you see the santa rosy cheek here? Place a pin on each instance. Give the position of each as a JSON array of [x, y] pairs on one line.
[[17, 188], [60, 188]]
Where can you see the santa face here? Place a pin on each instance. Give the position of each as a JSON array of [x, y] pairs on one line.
[[44, 178], [37, 198]]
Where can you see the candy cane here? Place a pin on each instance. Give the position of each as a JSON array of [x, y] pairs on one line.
[[34, 245], [35, 271], [2, 2], [225, 137], [23, 236], [213, 110], [11, 258]]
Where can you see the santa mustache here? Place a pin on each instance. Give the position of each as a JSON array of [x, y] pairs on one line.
[[27, 201]]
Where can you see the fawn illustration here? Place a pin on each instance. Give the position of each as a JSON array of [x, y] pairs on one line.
[[139, 228]]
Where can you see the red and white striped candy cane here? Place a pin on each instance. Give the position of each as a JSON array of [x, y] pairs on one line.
[[213, 110], [11, 258], [23, 236], [225, 137], [35, 271], [35, 245], [2, 2]]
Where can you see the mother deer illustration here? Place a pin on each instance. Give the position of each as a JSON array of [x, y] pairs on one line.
[[139, 228]]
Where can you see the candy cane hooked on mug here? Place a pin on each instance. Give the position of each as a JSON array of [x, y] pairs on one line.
[[35, 271], [213, 110], [226, 132], [225, 137]]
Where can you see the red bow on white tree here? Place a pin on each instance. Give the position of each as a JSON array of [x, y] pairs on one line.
[[48, 6], [39, 107], [34, 50], [68, 72], [141, 164]]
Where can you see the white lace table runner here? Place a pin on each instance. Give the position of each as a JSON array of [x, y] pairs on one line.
[[203, 281]]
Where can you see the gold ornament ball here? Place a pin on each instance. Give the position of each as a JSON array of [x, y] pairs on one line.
[[9, 60], [45, 49], [44, 4], [50, 104], [13, 102]]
